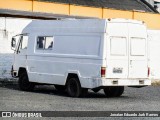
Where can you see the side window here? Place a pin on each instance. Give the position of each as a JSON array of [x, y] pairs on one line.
[[118, 46], [23, 42], [45, 42], [49, 43]]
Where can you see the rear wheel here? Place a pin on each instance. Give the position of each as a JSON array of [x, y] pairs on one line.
[[24, 83], [74, 88], [120, 91], [114, 91]]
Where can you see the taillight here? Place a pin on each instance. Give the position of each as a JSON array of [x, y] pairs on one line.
[[103, 71], [148, 71]]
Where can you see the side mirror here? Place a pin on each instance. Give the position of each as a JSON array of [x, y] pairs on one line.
[[13, 44]]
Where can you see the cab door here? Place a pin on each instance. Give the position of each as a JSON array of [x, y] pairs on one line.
[[20, 55]]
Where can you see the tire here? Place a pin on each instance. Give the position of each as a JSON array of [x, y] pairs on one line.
[[120, 91], [24, 83], [60, 87], [73, 87], [113, 91]]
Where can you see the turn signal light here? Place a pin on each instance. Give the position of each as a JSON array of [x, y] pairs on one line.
[[148, 71]]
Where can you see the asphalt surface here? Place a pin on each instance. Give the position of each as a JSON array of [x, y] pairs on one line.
[[47, 98]]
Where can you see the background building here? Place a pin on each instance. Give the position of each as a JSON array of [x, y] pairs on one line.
[[155, 4], [8, 28], [151, 2]]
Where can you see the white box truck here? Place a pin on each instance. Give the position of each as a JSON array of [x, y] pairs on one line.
[[77, 55]]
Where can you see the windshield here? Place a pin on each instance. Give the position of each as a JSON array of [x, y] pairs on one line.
[[21, 42]]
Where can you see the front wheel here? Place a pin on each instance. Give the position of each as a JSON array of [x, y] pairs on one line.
[[24, 83]]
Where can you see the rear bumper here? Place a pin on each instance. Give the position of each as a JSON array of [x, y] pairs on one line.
[[100, 82], [125, 82]]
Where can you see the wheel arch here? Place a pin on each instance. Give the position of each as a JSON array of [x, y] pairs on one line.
[[21, 70], [71, 74]]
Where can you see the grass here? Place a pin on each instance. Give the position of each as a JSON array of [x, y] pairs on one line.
[[156, 83]]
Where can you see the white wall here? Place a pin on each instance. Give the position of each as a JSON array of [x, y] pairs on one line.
[[154, 51], [8, 28]]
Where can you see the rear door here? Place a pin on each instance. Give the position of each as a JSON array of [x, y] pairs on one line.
[[126, 50], [117, 50], [138, 66]]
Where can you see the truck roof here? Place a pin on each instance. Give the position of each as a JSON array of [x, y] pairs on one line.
[[74, 25]]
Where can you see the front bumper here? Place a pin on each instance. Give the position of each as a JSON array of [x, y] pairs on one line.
[[14, 73]]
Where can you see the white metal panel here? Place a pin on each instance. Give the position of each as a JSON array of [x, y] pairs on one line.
[[117, 50], [77, 45], [138, 57], [69, 53], [67, 26], [132, 63]]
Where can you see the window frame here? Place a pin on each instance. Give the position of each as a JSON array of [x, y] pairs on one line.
[[131, 54], [37, 38], [112, 37], [20, 42]]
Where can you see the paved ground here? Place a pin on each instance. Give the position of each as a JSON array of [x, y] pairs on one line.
[[46, 98]]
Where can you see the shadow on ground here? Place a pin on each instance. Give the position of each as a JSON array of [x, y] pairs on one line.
[[50, 89]]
